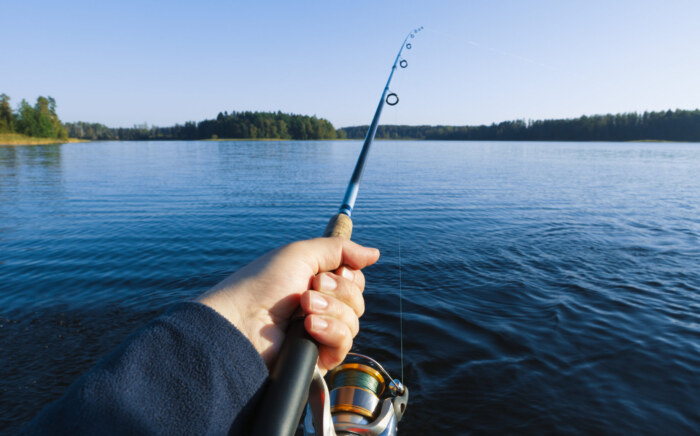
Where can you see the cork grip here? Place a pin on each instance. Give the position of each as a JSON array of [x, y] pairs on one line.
[[339, 225]]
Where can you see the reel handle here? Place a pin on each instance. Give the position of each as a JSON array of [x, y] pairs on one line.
[[285, 397]]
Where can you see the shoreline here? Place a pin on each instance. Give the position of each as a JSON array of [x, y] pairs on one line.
[[16, 139], [19, 139]]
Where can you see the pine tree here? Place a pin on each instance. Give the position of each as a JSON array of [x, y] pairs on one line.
[[6, 122]]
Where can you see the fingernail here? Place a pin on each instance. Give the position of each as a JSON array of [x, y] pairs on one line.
[[318, 323], [348, 274], [328, 283], [318, 302]]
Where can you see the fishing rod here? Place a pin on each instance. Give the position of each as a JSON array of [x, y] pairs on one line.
[[364, 398]]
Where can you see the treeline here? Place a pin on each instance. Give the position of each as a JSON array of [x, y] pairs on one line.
[[39, 120], [678, 125], [235, 125]]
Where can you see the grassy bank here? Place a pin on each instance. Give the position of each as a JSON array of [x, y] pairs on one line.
[[19, 139]]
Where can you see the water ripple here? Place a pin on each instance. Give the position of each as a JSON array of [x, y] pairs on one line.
[[547, 288]]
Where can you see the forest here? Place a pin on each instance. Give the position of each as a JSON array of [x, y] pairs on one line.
[[39, 120], [234, 125], [678, 125]]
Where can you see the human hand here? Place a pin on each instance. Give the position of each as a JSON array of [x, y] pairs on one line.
[[322, 276]]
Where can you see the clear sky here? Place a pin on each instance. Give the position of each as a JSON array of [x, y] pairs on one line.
[[164, 62]]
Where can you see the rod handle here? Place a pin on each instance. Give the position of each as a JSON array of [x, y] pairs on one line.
[[339, 225], [287, 391]]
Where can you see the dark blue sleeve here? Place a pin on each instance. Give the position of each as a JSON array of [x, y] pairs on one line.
[[189, 371]]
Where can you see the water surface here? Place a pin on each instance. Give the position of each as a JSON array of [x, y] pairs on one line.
[[547, 287]]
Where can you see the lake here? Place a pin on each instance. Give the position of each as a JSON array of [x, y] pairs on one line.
[[547, 287]]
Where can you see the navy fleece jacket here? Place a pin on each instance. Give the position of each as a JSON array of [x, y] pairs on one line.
[[190, 371]]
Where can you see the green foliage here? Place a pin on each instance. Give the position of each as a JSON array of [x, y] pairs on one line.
[[678, 125], [267, 125], [39, 120], [236, 125], [6, 121], [91, 131]]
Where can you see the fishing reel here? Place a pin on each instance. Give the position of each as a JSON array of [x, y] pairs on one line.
[[363, 400]]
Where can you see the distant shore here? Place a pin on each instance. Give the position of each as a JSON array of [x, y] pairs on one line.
[[19, 139]]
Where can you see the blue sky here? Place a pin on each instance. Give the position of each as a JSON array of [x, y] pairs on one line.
[[128, 62]]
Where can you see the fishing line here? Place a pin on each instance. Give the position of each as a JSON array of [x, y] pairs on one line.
[[470, 43], [398, 232], [357, 404], [510, 55], [400, 301], [392, 119]]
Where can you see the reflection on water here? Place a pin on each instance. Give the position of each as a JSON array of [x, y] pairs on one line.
[[548, 287]]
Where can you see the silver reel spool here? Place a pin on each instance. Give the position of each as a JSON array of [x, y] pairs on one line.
[[363, 400]]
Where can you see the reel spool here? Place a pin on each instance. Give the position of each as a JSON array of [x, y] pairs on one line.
[[364, 400], [355, 391]]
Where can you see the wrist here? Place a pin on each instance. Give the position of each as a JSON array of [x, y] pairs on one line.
[[225, 306]]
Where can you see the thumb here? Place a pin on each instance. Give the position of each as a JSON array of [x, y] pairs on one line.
[[329, 254]]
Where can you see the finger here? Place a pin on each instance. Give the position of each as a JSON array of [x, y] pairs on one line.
[[333, 336], [315, 303], [355, 275], [328, 254], [341, 288]]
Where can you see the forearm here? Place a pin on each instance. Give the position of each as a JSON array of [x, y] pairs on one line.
[[189, 371]]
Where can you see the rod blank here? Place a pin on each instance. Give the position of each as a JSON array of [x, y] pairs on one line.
[[282, 404]]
